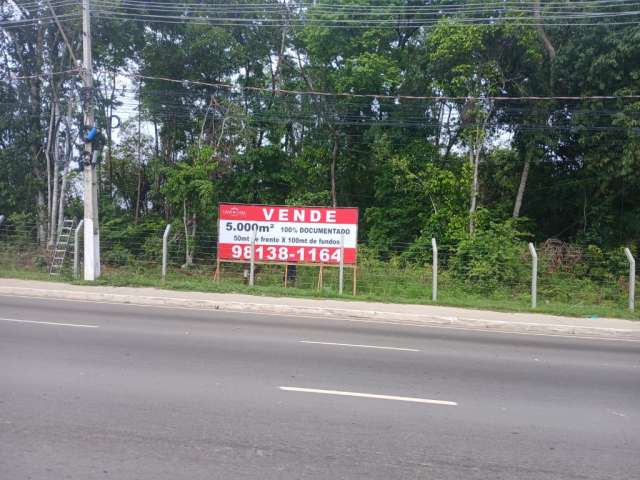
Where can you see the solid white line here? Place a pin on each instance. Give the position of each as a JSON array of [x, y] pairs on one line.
[[360, 346], [15, 320], [369, 395]]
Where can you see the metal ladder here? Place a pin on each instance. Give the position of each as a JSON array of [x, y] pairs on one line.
[[62, 245]]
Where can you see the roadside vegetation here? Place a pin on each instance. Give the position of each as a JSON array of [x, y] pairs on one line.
[[485, 125], [484, 274]]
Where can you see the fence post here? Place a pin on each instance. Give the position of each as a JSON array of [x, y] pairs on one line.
[[252, 265], [534, 275], [76, 248], [341, 278], [434, 281], [1, 219], [632, 279], [165, 250]]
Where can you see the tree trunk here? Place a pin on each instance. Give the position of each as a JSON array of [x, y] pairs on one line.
[[68, 155], [334, 158], [52, 152], [35, 103], [475, 152], [42, 234], [53, 222], [155, 135], [475, 160], [194, 226], [109, 152], [63, 188], [548, 46], [188, 251], [138, 195], [47, 155], [523, 185]]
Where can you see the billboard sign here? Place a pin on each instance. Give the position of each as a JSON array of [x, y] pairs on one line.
[[287, 234]]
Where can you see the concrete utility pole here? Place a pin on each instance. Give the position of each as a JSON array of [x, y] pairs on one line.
[[91, 226]]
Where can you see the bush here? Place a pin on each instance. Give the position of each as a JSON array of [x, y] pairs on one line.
[[152, 249], [602, 266], [24, 230], [116, 255], [491, 258]]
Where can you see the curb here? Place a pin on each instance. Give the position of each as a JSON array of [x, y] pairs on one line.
[[371, 316]]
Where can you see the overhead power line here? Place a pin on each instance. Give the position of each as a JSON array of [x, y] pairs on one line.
[[41, 75], [382, 96], [329, 15]]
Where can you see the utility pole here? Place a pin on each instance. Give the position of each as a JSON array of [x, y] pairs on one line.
[[91, 226]]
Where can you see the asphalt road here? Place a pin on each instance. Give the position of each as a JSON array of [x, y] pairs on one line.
[[124, 392]]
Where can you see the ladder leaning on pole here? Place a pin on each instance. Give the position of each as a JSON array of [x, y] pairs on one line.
[[62, 245]]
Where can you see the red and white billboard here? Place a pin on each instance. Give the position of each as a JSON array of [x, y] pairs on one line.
[[287, 234]]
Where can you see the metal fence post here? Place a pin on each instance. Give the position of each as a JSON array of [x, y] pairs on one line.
[[252, 265], [1, 219], [534, 275], [76, 250], [341, 278], [632, 279], [165, 250], [434, 281]]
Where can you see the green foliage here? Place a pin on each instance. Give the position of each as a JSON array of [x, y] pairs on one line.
[[117, 255], [189, 184], [22, 228], [602, 266], [418, 197], [261, 175], [122, 240], [490, 258], [403, 161]]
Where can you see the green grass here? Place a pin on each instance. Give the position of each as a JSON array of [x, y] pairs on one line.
[[558, 294]]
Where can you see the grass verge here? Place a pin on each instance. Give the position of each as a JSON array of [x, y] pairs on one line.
[[567, 296]]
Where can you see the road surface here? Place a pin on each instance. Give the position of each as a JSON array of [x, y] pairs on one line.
[[97, 391]]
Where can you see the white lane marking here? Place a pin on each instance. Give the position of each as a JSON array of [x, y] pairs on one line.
[[377, 347], [369, 395], [15, 320]]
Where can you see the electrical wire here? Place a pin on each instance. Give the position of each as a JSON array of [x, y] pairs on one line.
[[385, 96]]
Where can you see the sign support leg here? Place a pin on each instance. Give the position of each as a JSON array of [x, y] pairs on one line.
[[252, 266], [355, 282], [286, 274], [216, 275], [341, 278]]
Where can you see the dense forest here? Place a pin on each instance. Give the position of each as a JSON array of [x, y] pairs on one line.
[[435, 118]]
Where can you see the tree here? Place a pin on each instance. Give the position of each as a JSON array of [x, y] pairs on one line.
[[474, 64], [189, 187]]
